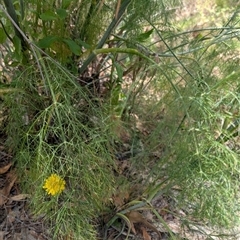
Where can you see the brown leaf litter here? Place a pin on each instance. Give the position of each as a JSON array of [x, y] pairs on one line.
[[16, 221]]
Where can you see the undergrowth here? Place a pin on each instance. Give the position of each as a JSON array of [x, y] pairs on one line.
[[196, 132], [63, 139], [137, 85]]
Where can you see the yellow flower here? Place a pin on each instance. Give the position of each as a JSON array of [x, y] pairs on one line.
[[54, 185]]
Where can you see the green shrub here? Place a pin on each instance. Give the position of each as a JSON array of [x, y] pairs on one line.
[[176, 90]]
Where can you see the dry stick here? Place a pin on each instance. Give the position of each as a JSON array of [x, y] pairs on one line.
[[100, 7], [117, 8]]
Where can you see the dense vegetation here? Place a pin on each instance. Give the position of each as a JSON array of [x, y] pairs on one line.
[[113, 96]]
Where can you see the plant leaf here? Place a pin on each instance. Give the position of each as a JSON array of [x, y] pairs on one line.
[[66, 3], [144, 36], [48, 16], [85, 45], [18, 49], [62, 13], [119, 72], [47, 41], [74, 47], [3, 36]]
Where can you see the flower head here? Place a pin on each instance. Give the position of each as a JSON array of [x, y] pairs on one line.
[[54, 184]]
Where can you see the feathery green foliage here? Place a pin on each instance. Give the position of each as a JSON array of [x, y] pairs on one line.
[[90, 70]]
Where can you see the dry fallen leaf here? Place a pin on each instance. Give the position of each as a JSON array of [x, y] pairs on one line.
[[5, 168], [133, 228], [2, 233], [19, 197], [175, 226], [31, 237], [4, 193], [17, 236], [120, 198], [118, 201], [136, 217], [119, 130], [145, 234], [123, 165], [12, 216]]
